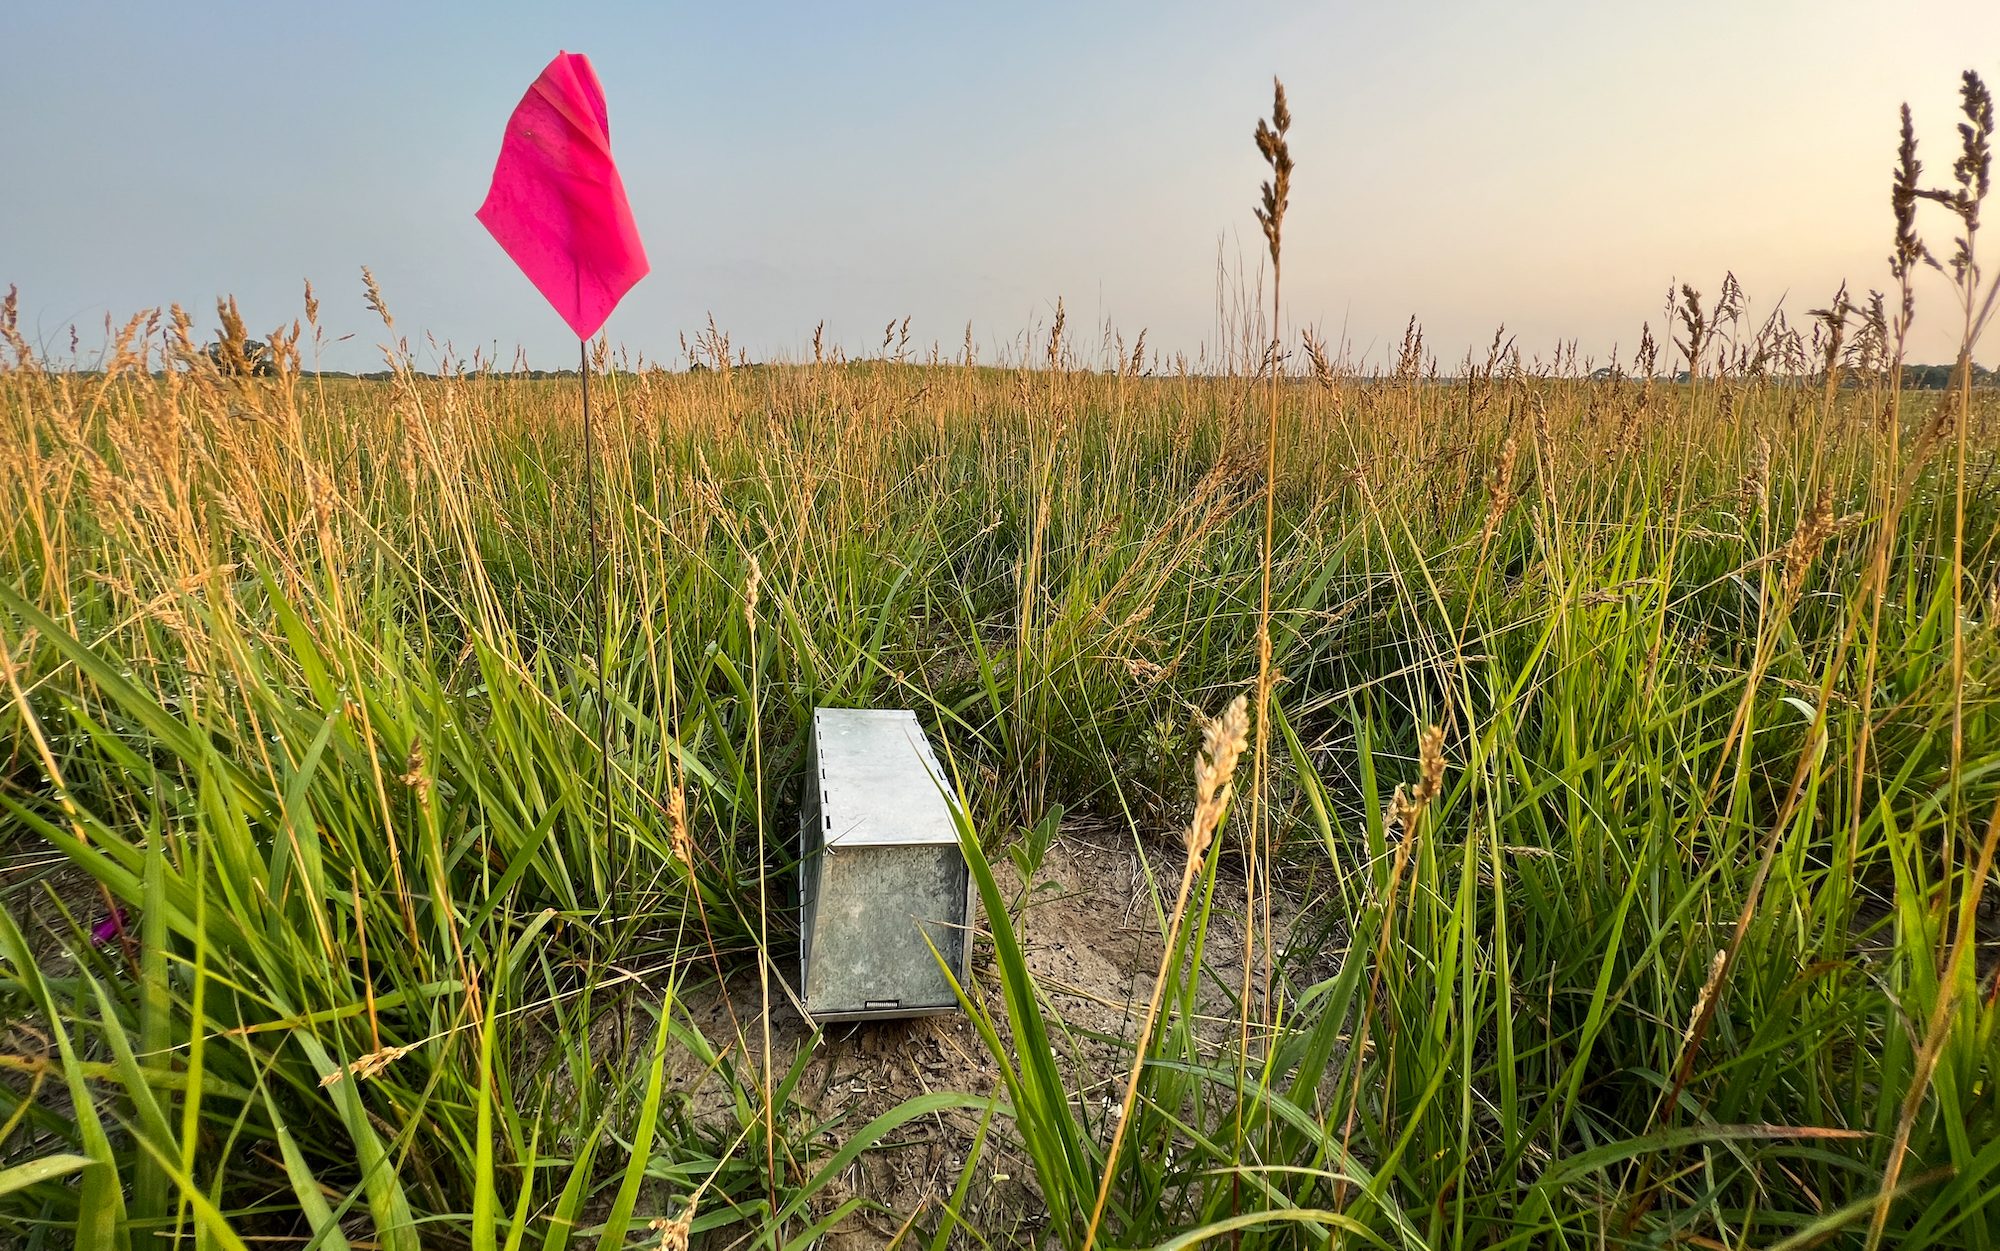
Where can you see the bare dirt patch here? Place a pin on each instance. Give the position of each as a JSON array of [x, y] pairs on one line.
[[1090, 925]]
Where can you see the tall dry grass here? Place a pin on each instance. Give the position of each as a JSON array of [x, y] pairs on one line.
[[1674, 928]]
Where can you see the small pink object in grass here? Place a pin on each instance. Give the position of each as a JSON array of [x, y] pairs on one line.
[[557, 205], [109, 928]]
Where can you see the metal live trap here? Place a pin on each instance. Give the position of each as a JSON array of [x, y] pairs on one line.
[[880, 870]]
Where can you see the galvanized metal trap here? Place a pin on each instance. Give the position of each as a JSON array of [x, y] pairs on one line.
[[880, 871]]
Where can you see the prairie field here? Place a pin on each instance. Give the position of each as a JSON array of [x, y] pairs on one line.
[[1670, 929], [1608, 865]]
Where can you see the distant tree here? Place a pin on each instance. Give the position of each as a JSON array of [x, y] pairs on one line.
[[234, 353], [249, 359]]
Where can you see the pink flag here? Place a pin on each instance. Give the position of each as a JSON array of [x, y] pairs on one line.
[[557, 205]]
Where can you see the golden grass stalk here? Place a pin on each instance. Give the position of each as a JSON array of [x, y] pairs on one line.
[[1223, 740], [752, 590], [1270, 212]]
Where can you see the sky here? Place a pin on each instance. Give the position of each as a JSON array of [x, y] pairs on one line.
[[1548, 165]]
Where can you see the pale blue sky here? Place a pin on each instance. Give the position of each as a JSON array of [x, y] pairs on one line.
[[1548, 164]]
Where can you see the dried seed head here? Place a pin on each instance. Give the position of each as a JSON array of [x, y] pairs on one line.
[[1270, 137], [1223, 741], [1708, 989], [414, 775], [1974, 167], [232, 345], [1972, 171], [1871, 345], [1647, 362], [364, 1067], [1430, 765], [752, 586], [1499, 491], [1903, 193], [1400, 814], [674, 1233], [1756, 475], [1144, 670], [1832, 330], [1396, 814], [1316, 355], [682, 842], [375, 298], [1410, 357], [1814, 530]]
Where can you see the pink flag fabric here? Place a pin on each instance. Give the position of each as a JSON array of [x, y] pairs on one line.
[[557, 205]]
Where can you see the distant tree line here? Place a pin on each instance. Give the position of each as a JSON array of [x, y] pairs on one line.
[[1941, 377], [257, 361]]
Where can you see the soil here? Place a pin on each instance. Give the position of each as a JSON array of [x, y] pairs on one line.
[[1092, 937]]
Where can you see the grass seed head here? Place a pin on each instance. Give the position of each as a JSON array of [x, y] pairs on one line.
[[1223, 741], [681, 841], [1974, 168], [1814, 529], [365, 1067], [674, 1233], [414, 775], [1709, 986], [1908, 249], [1277, 154], [1972, 173], [1400, 814], [1430, 766], [1499, 490], [374, 294]]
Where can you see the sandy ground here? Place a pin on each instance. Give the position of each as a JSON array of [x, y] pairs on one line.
[[1092, 938]]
